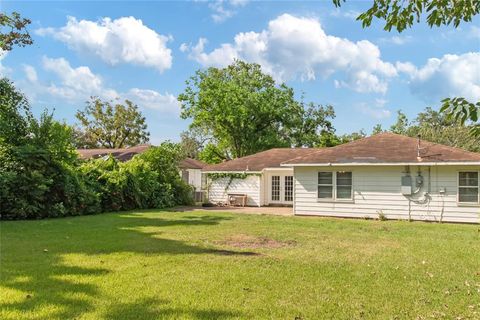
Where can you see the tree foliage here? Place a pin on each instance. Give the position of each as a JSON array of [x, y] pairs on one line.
[[461, 110], [243, 111], [13, 31], [401, 14], [41, 176], [111, 125], [437, 127]]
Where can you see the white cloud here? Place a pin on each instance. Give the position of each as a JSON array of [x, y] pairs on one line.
[[4, 71], [298, 47], [223, 10], [77, 85], [154, 100], [30, 73], [124, 40], [452, 75]]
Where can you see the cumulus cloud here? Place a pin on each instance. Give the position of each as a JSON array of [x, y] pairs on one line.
[[123, 40], [77, 84], [448, 76], [298, 47], [154, 100]]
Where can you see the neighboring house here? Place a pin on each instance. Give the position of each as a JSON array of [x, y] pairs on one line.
[[383, 175], [190, 169], [191, 172], [263, 180]]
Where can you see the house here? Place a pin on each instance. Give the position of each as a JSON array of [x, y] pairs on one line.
[[387, 175], [190, 169], [259, 176]]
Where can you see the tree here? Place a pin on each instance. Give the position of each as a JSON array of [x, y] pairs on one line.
[[13, 31], [350, 137], [437, 127], [109, 125], [400, 14], [377, 129], [313, 127], [402, 124], [243, 111]]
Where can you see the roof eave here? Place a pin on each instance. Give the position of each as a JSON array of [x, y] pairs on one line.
[[361, 164]]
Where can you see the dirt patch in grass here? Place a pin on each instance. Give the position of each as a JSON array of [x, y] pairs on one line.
[[252, 242]]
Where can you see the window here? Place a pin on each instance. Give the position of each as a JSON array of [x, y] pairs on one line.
[[335, 185], [344, 185], [468, 187], [325, 185]]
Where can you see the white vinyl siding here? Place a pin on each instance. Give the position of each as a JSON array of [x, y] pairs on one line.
[[377, 189], [251, 186]]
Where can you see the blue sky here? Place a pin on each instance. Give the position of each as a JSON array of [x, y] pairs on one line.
[[144, 51]]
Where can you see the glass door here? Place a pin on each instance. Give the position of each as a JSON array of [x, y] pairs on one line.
[[288, 190], [275, 196]]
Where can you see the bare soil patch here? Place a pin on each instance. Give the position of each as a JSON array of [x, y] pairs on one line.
[[252, 242]]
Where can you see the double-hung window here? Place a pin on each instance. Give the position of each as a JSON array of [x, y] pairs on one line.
[[335, 185], [468, 187]]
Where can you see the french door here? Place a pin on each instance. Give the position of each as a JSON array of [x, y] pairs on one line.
[[281, 189]]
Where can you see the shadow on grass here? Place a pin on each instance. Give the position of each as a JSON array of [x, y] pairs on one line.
[[47, 282], [158, 309]]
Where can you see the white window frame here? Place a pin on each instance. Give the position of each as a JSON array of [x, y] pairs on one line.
[[334, 187], [468, 204]]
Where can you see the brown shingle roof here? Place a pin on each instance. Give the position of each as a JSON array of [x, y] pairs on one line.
[[126, 154], [190, 163], [256, 162], [387, 148]]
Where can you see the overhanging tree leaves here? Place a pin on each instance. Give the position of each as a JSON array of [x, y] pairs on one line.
[[112, 125], [401, 14], [13, 31]]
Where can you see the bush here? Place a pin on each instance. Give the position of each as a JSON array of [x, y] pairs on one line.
[[41, 176]]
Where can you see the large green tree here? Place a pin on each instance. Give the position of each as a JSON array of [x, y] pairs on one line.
[[401, 14], [111, 125], [13, 31], [244, 111]]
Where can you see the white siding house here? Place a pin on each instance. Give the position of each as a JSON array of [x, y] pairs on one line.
[[383, 176], [377, 190]]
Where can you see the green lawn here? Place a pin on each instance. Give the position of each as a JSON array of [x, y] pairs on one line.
[[209, 265]]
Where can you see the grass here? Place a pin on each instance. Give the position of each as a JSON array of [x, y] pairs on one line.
[[210, 265]]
